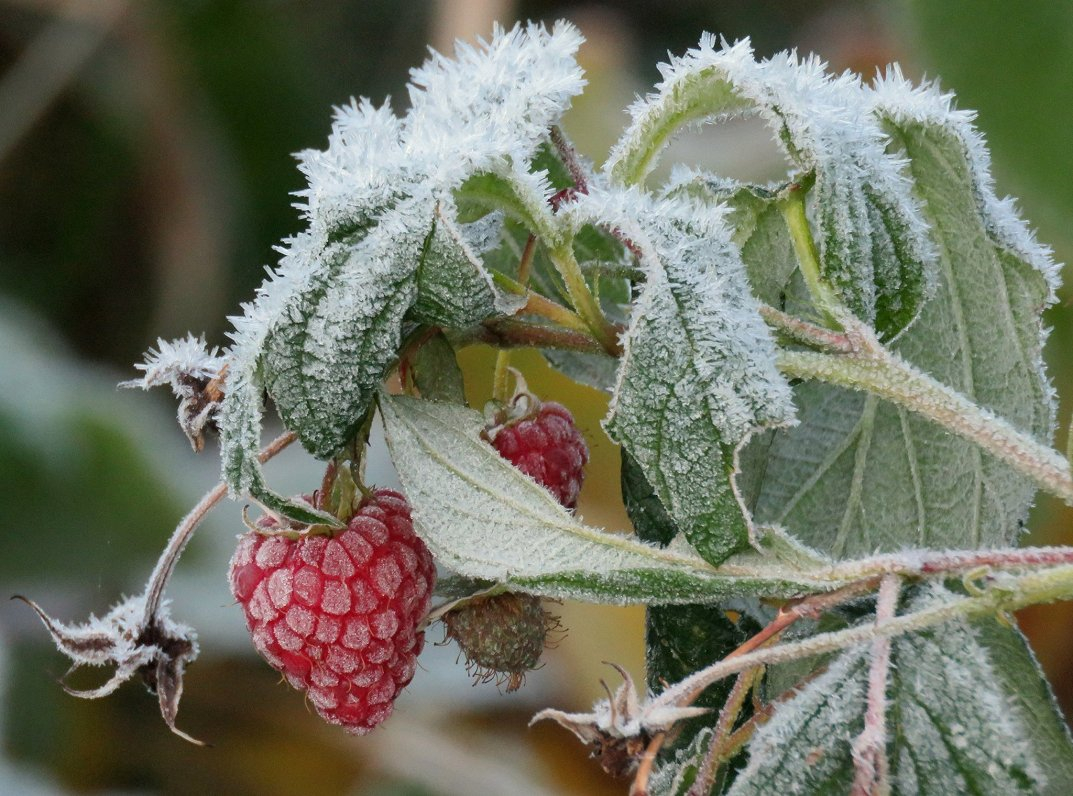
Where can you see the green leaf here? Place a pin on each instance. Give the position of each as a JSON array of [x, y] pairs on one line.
[[696, 376], [324, 361], [968, 712], [860, 475], [436, 371], [453, 288], [871, 238], [485, 519], [520, 196]]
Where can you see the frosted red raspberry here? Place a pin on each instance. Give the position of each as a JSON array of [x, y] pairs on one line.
[[546, 445], [338, 615]]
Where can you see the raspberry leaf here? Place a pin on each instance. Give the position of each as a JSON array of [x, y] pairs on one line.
[[859, 474], [697, 375], [872, 239], [484, 519], [957, 721]]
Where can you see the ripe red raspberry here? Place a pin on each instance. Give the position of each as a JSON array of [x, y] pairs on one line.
[[541, 440], [338, 615]]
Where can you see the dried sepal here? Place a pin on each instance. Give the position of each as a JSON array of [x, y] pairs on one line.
[[620, 727], [154, 646], [195, 374]]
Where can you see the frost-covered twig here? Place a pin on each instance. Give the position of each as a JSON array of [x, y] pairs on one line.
[[717, 748], [165, 566], [871, 767], [138, 635]]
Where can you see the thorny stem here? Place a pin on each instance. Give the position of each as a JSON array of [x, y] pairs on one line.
[[705, 780], [165, 565], [874, 369], [807, 608], [869, 752], [805, 332], [1006, 593]]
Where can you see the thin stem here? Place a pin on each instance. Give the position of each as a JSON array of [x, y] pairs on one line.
[[806, 333], [705, 780], [1009, 593], [536, 304], [639, 787], [165, 565], [514, 333], [792, 206], [869, 751], [525, 262], [582, 299], [890, 377], [501, 380]]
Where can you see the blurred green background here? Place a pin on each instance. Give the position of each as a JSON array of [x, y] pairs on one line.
[[145, 174]]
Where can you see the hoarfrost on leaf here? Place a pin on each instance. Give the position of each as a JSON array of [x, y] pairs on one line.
[[485, 519], [697, 375], [873, 240], [889, 478], [383, 239]]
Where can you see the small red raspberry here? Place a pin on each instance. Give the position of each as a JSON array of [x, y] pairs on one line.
[[541, 440], [338, 615]]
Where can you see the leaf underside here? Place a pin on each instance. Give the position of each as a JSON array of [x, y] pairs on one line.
[[858, 474], [959, 720]]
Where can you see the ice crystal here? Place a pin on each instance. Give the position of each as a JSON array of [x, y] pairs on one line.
[[194, 373], [872, 238]]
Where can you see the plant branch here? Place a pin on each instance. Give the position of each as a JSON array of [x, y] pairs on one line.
[[705, 781], [1005, 592], [874, 369], [515, 333], [582, 298], [869, 751], [165, 565]]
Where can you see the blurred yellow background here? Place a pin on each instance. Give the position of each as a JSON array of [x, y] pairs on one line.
[[145, 174]]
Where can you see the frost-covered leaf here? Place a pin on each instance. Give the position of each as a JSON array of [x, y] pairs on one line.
[[872, 239], [325, 358], [697, 374], [965, 710], [485, 519], [858, 474], [453, 288], [759, 232], [328, 320]]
